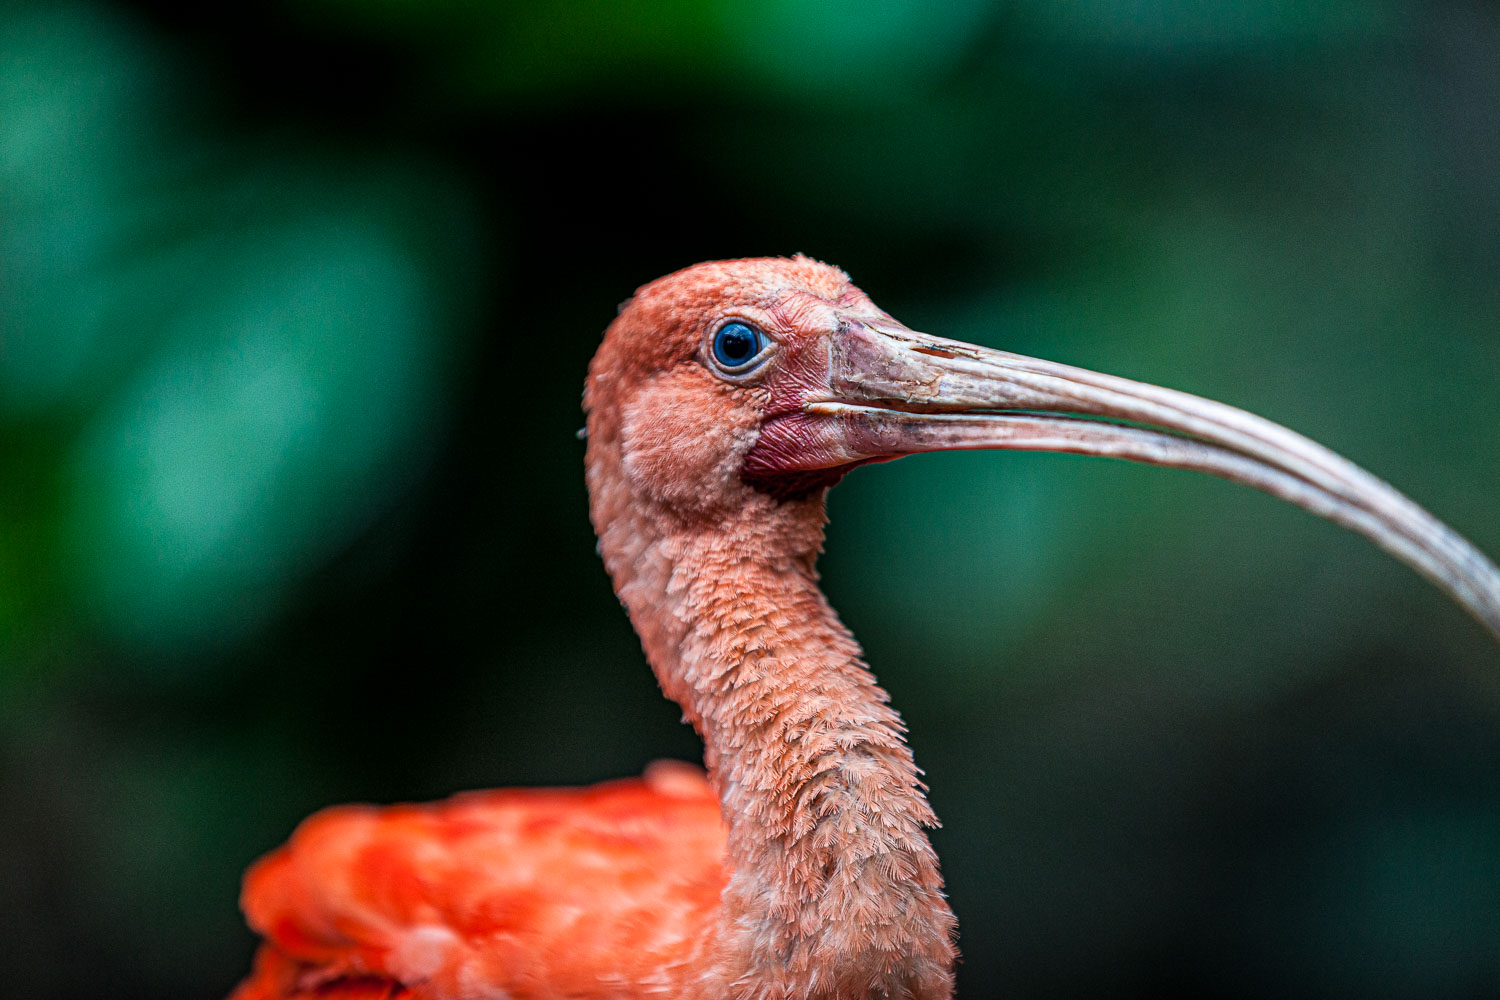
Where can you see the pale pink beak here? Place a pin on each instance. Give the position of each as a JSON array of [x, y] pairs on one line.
[[892, 392]]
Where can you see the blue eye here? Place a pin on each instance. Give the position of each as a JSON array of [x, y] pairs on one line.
[[737, 344]]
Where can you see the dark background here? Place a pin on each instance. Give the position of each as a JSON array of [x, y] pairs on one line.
[[295, 306]]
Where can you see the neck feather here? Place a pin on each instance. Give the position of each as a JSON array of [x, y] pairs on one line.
[[834, 889]]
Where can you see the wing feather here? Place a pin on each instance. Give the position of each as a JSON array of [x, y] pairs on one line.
[[518, 893]]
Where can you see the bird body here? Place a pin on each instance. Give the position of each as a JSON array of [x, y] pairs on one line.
[[723, 402], [534, 892]]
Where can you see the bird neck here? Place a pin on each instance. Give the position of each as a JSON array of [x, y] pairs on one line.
[[833, 885]]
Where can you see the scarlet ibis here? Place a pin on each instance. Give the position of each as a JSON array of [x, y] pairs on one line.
[[725, 400]]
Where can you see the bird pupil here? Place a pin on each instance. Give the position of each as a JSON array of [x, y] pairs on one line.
[[736, 344]]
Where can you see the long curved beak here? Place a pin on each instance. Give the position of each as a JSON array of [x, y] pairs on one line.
[[892, 392]]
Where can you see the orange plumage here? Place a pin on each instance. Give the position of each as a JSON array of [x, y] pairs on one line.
[[545, 892], [722, 404]]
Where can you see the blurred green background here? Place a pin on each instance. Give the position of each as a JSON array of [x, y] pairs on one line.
[[295, 306]]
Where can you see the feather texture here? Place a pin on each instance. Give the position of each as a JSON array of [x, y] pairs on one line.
[[595, 892]]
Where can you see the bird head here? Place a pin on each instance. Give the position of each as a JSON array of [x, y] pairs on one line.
[[762, 382], [699, 363]]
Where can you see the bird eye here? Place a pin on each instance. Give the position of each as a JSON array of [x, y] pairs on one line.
[[737, 345]]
